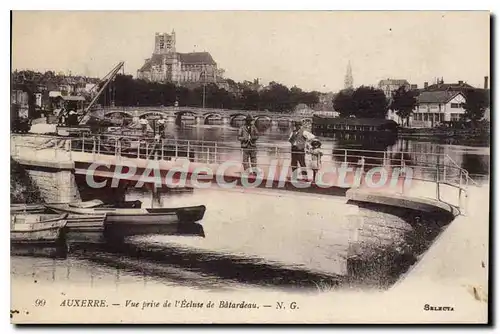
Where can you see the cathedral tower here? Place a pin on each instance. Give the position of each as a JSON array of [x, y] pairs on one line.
[[348, 81], [165, 43]]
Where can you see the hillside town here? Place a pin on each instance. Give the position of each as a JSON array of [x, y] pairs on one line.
[[172, 78]]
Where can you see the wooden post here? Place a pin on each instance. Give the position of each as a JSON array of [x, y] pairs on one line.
[[215, 153], [83, 143], [162, 147], [437, 180]]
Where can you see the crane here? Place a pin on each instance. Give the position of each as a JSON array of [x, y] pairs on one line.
[[107, 79]]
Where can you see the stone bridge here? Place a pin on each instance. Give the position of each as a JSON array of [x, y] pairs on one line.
[[202, 116]]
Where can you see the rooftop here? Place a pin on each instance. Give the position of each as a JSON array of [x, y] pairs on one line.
[[399, 82], [459, 86], [192, 58], [436, 96]]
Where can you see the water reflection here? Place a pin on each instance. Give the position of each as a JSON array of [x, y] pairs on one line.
[[471, 155]]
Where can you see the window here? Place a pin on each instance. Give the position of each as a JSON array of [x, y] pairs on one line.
[[455, 105], [433, 106], [454, 117]]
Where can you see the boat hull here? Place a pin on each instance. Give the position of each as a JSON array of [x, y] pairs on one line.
[[37, 235], [85, 229], [120, 223]]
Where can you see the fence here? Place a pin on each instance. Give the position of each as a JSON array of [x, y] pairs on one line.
[[438, 169]]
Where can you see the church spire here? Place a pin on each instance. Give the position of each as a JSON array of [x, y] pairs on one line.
[[348, 81]]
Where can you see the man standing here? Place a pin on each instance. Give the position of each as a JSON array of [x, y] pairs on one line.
[[248, 135], [161, 126], [298, 138], [144, 125]]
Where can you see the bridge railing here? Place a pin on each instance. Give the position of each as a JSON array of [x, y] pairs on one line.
[[438, 169]]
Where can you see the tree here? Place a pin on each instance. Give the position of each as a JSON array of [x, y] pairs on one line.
[[369, 102], [403, 102], [344, 104], [476, 102]]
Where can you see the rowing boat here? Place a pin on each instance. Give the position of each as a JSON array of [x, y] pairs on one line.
[[38, 229], [123, 222]]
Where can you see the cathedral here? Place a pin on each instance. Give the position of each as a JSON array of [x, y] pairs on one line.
[[167, 65]]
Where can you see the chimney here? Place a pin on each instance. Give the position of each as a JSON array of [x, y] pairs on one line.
[[486, 82], [460, 82], [426, 85]]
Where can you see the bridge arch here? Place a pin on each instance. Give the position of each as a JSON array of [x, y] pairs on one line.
[[235, 116], [208, 115], [122, 112], [152, 112], [185, 112], [179, 114], [263, 117]]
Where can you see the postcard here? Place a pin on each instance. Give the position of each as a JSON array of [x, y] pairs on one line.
[[250, 167]]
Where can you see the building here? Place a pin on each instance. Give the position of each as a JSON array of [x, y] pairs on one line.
[[323, 125], [390, 85], [168, 65], [435, 107], [461, 86]]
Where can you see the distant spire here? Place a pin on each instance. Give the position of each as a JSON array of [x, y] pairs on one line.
[[348, 81]]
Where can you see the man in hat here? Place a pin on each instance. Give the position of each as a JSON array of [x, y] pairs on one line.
[[161, 126], [299, 138], [248, 135]]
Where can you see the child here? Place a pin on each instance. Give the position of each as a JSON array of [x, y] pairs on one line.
[[316, 154]]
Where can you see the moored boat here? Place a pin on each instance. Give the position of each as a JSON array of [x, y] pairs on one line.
[[20, 208], [42, 230], [85, 229], [123, 222]]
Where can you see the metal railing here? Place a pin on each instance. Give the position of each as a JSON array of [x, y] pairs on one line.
[[438, 169]]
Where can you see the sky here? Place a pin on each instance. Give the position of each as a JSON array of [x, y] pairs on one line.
[[309, 49]]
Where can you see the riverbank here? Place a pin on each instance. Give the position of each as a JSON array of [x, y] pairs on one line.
[[478, 133]]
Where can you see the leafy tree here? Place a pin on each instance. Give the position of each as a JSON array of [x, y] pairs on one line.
[[476, 102], [370, 102], [403, 102], [343, 103]]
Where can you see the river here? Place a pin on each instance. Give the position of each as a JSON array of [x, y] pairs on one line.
[[248, 237]]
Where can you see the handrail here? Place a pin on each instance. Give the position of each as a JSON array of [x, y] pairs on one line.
[[444, 172]]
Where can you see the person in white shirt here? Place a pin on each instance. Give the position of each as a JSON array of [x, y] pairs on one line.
[[299, 138], [161, 126], [144, 125]]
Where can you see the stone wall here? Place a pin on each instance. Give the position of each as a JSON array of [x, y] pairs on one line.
[[47, 160], [385, 241], [56, 186]]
